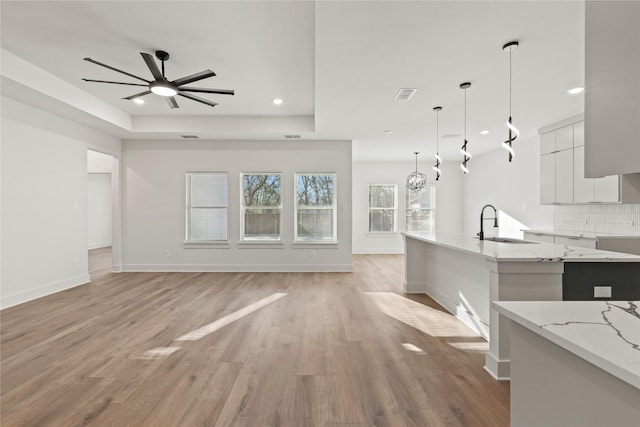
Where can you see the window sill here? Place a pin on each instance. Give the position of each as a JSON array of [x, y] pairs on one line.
[[206, 245], [248, 244], [327, 245], [382, 234]]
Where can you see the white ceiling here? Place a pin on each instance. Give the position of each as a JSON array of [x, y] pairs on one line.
[[336, 64]]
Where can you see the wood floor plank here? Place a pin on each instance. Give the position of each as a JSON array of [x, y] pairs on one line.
[[340, 349]]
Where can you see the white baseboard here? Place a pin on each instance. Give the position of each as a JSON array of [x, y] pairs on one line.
[[377, 251], [498, 369], [239, 268], [98, 245], [52, 288]]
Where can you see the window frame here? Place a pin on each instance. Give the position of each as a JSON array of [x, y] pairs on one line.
[[394, 208], [188, 208], [432, 190], [333, 208], [280, 207]]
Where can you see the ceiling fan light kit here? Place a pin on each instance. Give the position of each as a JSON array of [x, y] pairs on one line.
[[161, 86]]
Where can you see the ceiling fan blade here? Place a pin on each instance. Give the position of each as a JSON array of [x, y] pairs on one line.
[[115, 69], [171, 100], [205, 90], [137, 95], [114, 83], [153, 67], [194, 77], [198, 99]]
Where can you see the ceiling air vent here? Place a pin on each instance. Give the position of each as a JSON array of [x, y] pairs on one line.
[[190, 136], [292, 136], [405, 93]]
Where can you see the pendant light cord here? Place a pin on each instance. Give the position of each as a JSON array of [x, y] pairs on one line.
[[510, 50], [437, 132], [465, 114]]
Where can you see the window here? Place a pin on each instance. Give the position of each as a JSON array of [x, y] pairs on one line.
[[421, 207], [206, 207], [315, 216], [383, 203], [261, 206]]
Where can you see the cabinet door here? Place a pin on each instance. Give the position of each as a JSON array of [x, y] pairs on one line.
[[548, 179], [583, 188], [606, 189], [564, 176], [564, 138], [578, 134], [547, 143]]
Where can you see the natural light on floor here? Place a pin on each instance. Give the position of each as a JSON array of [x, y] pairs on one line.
[[426, 319], [205, 330]]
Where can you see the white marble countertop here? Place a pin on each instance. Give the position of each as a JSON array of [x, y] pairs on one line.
[[581, 234], [514, 252], [605, 333]]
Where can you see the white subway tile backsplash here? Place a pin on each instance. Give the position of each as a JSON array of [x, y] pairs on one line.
[[616, 219]]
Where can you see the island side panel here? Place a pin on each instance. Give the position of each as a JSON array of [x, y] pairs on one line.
[[459, 281], [551, 386], [516, 281], [415, 266]]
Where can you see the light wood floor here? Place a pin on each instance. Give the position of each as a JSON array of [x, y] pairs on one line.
[[339, 349]]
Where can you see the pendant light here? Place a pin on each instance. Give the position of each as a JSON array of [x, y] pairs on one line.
[[513, 131], [466, 155], [416, 180], [436, 167]]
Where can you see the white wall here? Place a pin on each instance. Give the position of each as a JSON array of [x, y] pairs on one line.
[[98, 162], [99, 210], [44, 202], [513, 188], [154, 204], [448, 201]]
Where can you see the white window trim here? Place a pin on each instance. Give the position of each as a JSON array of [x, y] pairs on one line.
[[203, 243], [395, 210], [263, 242], [432, 209], [299, 242]]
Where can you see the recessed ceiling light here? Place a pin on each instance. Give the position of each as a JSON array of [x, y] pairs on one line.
[[387, 131], [575, 90], [138, 101], [277, 101], [484, 132]]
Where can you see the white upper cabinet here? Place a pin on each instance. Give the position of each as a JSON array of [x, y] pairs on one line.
[[583, 188], [612, 88], [564, 177], [562, 170]]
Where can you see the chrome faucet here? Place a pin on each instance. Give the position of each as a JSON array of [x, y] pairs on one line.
[[482, 219]]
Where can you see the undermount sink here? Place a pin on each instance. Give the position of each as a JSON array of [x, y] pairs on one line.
[[509, 240]]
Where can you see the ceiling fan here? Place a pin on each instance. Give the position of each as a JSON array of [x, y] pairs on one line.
[[160, 85]]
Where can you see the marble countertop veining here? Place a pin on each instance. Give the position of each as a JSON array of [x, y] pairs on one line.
[[604, 333], [581, 234], [514, 252]]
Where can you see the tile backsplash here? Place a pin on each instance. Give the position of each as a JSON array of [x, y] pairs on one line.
[[616, 219]]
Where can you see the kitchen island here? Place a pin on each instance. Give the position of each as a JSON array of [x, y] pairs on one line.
[[574, 363], [465, 274]]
